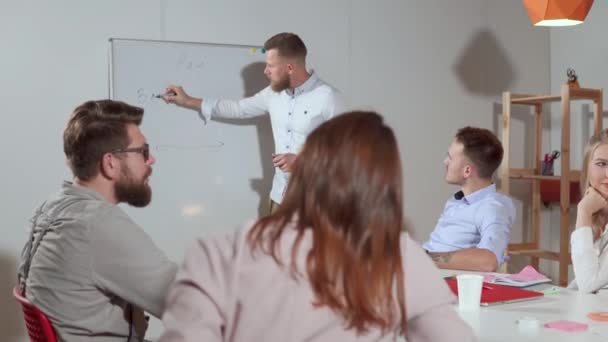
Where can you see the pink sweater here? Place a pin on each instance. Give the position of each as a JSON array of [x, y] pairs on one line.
[[224, 293]]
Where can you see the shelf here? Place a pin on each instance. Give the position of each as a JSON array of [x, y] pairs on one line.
[[522, 246], [575, 94], [545, 189], [585, 94], [575, 175], [538, 253], [550, 191], [550, 185], [532, 100], [540, 177]]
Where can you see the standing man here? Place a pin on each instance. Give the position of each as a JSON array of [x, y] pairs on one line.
[[475, 227], [87, 265], [297, 101]]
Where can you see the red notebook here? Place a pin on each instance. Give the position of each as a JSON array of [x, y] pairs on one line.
[[498, 294]]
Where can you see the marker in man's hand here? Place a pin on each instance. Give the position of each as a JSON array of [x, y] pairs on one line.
[[171, 93]]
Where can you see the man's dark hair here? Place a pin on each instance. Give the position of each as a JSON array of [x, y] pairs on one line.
[[288, 45], [96, 128], [482, 147]]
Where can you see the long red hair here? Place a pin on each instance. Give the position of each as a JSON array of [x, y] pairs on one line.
[[347, 189]]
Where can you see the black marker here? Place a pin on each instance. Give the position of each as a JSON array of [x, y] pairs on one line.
[[171, 93]]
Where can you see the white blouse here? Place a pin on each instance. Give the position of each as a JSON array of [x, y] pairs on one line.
[[589, 260]]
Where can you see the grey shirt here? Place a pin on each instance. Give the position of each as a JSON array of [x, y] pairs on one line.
[[94, 269]]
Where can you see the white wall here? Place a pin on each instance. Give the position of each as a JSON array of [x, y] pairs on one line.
[[430, 66]]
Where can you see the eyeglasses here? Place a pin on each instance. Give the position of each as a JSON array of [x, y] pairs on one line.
[[144, 150]]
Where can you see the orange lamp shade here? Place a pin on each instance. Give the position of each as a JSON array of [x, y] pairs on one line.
[[557, 12]]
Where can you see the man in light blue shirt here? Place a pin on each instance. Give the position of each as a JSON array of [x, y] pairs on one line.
[[475, 227], [297, 100]]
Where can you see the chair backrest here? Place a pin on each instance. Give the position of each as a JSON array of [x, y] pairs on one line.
[[39, 327]]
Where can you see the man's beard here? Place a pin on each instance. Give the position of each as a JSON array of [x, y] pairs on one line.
[[280, 85], [128, 190]]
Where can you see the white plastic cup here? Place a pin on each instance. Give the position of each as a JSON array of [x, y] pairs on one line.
[[469, 291]]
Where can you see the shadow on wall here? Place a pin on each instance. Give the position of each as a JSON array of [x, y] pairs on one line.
[[483, 68], [254, 80], [11, 324]]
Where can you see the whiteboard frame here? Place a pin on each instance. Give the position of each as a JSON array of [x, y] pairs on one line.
[[111, 54]]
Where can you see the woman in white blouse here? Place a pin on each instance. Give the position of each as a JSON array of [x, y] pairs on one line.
[[589, 241]]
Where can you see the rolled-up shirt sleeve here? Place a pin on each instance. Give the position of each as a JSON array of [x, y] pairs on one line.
[[496, 219], [255, 105]]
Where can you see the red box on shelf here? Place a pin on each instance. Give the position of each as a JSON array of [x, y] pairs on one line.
[[550, 191]]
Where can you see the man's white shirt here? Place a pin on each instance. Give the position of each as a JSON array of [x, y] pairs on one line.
[[292, 115]]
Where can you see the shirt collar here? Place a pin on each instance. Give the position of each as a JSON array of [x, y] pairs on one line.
[[306, 86], [477, 195], [74, 189]]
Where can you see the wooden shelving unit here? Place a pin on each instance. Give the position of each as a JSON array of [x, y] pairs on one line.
[[568, 94]]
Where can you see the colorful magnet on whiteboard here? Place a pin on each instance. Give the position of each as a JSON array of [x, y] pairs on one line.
[[253, 50], [263, 50]]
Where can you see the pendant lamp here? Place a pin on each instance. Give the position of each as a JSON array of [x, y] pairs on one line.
[[557, 12]]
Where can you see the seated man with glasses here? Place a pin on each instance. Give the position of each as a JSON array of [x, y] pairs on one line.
[[86, 264]]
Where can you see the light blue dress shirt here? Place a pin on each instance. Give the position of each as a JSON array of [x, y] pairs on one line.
[[482, 219]]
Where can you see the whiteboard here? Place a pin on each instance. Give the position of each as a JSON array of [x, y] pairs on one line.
[[207, 177]]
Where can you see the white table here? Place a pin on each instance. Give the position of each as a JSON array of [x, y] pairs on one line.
[[499, 322]]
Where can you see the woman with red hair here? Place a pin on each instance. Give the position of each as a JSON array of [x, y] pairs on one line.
[[333, 263]]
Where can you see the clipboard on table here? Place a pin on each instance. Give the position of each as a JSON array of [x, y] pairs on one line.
[[492, 294]]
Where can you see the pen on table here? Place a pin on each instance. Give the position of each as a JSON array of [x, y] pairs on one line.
[[171, 93]]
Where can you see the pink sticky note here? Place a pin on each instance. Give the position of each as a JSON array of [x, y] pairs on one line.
[[569, 326], [527, 274]]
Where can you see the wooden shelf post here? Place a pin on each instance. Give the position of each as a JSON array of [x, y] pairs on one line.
[[533, 248]]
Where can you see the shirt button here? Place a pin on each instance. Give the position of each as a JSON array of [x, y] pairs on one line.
[[289, 113], [288, 131], [287, 147]]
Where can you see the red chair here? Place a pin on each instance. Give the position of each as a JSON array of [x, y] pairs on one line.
[[38, 325]]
